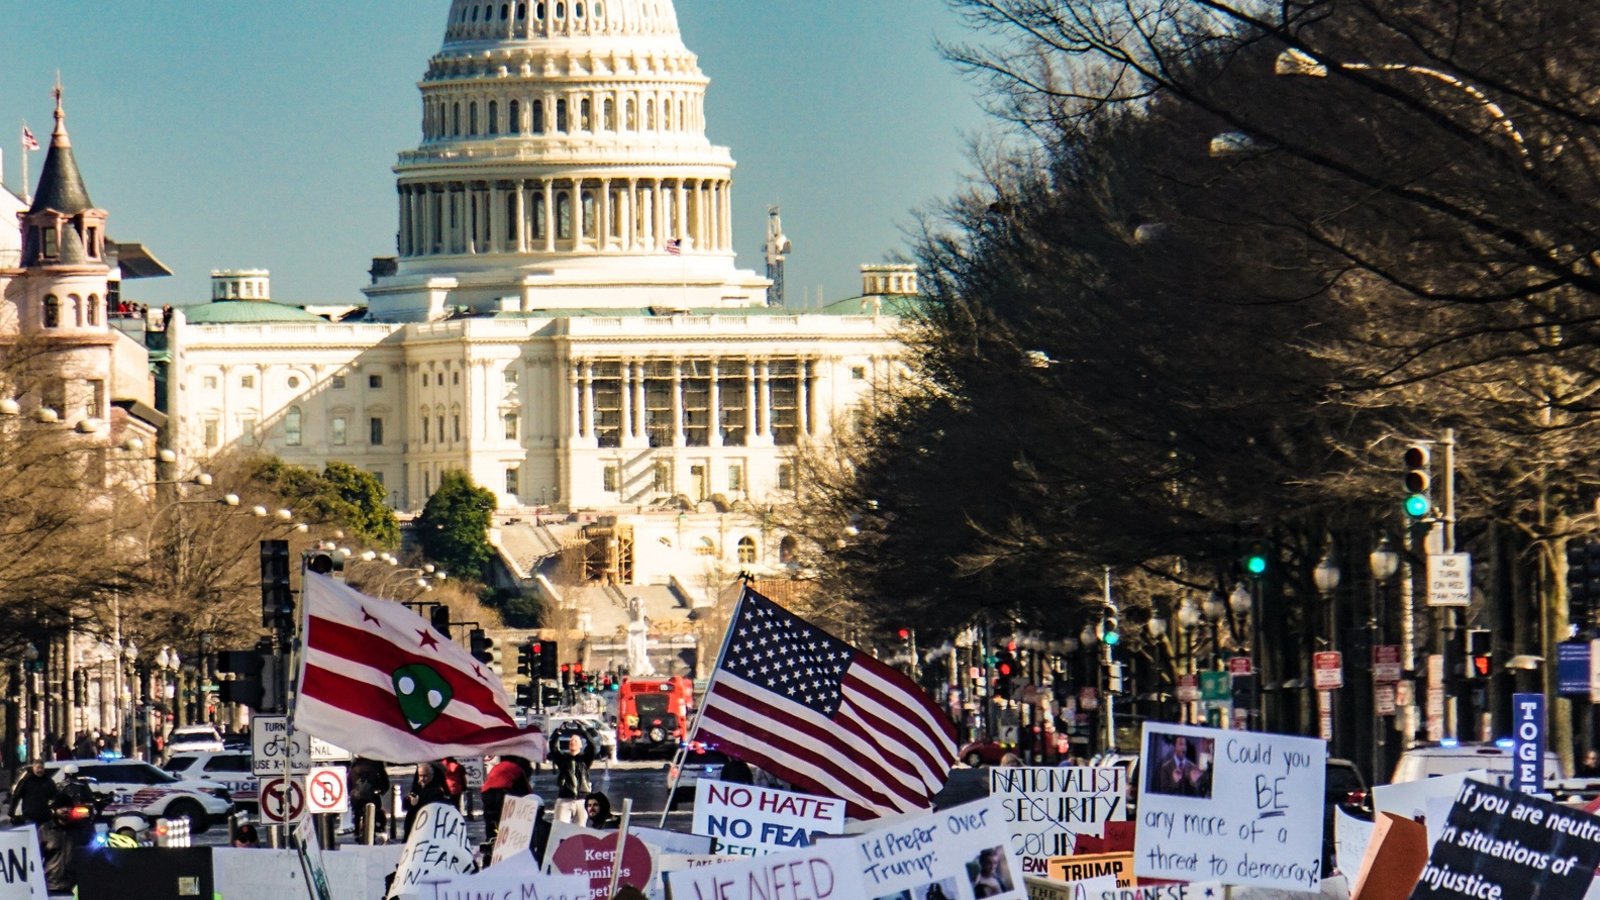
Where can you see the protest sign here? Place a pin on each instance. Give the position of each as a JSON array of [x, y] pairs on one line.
[[1499, 844], [518, 817], [1194, 890], [574, 850], [744, 820], [963, 851], [1239, 808], [1527, 743], [1047, 808], [673, 842], [1050, 889], [1421, 800], [829, 871], [528, 883], [309, 847], [1350, 838], [1394, 858], [1090, 866], [21, 865], [437, 849]]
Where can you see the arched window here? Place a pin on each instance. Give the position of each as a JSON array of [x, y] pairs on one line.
[[747, 549], [609, 123], [52, 311], [538, 216], [538, 117], [291, 427], [94, 309], [514, 118], [539, 11], [563, 216], [788, 550], [472, 118], [577, 9], [650, 114], [522, 11], [505, 11], [424, 419], [585, 123], [513, 227], [630, 115], [666, 115], [494, 117]]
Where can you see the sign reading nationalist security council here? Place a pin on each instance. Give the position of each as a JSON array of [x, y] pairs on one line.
[[1046, 808]]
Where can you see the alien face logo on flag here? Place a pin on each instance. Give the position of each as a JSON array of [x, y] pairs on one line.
[[422, 693]]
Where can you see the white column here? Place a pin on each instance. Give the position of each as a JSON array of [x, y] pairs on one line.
[[549, 216], [629, 227], [764, 419], [575, 402], [714, 404], [577, 214], [496, 242], [749, 404], [603, 210], [588, 401], [727, 215], [625, 392], [640, 428], [661, 215], [677, 403], [803, 402], [647, 218], [521, 243], [404, 241], [681, 210]]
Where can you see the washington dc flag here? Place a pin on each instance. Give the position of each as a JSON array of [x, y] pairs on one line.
[[378, 681]]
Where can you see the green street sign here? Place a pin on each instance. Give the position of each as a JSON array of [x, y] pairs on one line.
[[1215, 686]]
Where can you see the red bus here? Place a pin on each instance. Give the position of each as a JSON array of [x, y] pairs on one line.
[[653, 714]]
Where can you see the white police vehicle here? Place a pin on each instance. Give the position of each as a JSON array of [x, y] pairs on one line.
[[135, 786], [230, 768]]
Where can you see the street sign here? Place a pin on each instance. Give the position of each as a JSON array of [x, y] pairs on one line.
[[325, 790], [1088, 698], [1573, 676], [1327, 670], [269, 746], [1386, 667], [1215, 687], [282, 801], [1449, 579], [1383, 699], [1240, 665], [1325, 714], [473, 766], [1188, 688], [1436, 697]]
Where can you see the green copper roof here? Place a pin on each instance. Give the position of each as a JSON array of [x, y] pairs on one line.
[[233, 312]]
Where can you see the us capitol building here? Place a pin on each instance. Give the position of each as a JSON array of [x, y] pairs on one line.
[[564, 319]]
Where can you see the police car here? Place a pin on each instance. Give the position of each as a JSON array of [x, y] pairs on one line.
[[230, 768], [135, 786]]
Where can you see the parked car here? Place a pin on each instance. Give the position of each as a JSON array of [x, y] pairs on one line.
[[191, 738], [983, 753], [1434, 760], [135, 786], [229, 768]]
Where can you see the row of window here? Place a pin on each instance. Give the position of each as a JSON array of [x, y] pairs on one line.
[[293, 430], [48, 240], [470, 14], [665, 483], [248, 382], [454, 119], [80, 311]]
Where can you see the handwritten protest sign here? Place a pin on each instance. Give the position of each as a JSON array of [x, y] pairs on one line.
[[1047, 808], [437, 849], [743, 820], [21, 865], [1118, 866], [963, 851], [526, 886], [572, 850], [309, 845], [518, 817], [1050, 889], [829, 871], [1499, 845], [1235, 807], [673, 842]]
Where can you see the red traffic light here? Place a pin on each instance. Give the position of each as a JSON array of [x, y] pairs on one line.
[[565, 668], [905, 634], [1482, 665], [1004, 669], [577, 667]]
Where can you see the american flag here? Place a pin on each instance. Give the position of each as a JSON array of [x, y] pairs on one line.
[[674, 246], [29, 142], [822, 715]]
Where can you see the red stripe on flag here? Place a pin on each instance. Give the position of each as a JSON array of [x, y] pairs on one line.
[[380, 707], [914, 695], [384, 656], [756, 755], [939, 763]]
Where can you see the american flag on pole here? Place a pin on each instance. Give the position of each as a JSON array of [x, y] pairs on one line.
[[29, 142], [822, 715], [674, 246], [378, 681]]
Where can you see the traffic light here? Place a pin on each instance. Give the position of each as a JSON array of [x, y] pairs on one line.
[[525, 659], [904, 635], [1418, 478], [545, 655], [248, 686], [1480, 663], [1109, 635], [1255, 562], [277, 601], [1583, 581], [566, 674], [525, 694], [1005, 669], [439, 617], [483, 648]]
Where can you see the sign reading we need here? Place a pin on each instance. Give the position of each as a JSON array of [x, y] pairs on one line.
[[743, 820], [1046, 808], [1235, 807]]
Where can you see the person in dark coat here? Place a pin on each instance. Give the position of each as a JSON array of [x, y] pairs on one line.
[[368, 784], [571, 753], [426, 787], [31, 795], [598, 807], [508, 778], [62, 840]]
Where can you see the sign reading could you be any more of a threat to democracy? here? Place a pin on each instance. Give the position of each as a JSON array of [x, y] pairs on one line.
[[744, 820], [1235, 807], [1046, 808], [1502, 845]]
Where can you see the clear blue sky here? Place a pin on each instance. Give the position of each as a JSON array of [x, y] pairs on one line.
[[250, 134]]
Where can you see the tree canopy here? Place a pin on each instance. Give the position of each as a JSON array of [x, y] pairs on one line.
[[454, 526]]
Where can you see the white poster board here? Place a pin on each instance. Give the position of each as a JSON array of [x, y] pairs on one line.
[[573, 850], [744, 820], [437, 850], [518, 817], [526, 883], [952, 853], [1236, 807], [673, 843], [828, 871], [21, 865], [1046, 808], [263, 874]]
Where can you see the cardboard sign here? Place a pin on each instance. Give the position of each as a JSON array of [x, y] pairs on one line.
[[309, 847], [1350, 839], [437, 850], [518, 818], [743, 820], [1088, 867], [21, 865], [1395, 855], [828, 871], [963, 851], [519, 879], [1050, 889], [1499, 844], [1045, 809], [573, 850], [1235, 807]]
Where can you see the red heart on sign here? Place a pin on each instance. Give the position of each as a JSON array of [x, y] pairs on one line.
[[590, 855]]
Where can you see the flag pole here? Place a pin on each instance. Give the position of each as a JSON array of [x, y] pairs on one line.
[[676, 770], [25, 191]]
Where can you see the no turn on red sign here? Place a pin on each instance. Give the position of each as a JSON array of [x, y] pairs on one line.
[[282, 801]]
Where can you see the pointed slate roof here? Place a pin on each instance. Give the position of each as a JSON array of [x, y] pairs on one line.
[[61, 186]]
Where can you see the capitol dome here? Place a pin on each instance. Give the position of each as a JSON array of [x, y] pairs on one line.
[[563, 162]]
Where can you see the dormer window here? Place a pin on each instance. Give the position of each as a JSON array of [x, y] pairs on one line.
[[52, 309], [51, 246], [94, 243]]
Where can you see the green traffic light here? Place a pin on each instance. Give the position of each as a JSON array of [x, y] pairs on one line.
[[1417, 506], [1111, 638], [1255, 564]]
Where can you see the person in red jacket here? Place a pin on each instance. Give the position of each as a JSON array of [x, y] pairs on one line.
[[455, 779], [508, 778]]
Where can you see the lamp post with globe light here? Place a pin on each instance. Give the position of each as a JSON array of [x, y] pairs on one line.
[[1326, 576], [1384, 563]]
